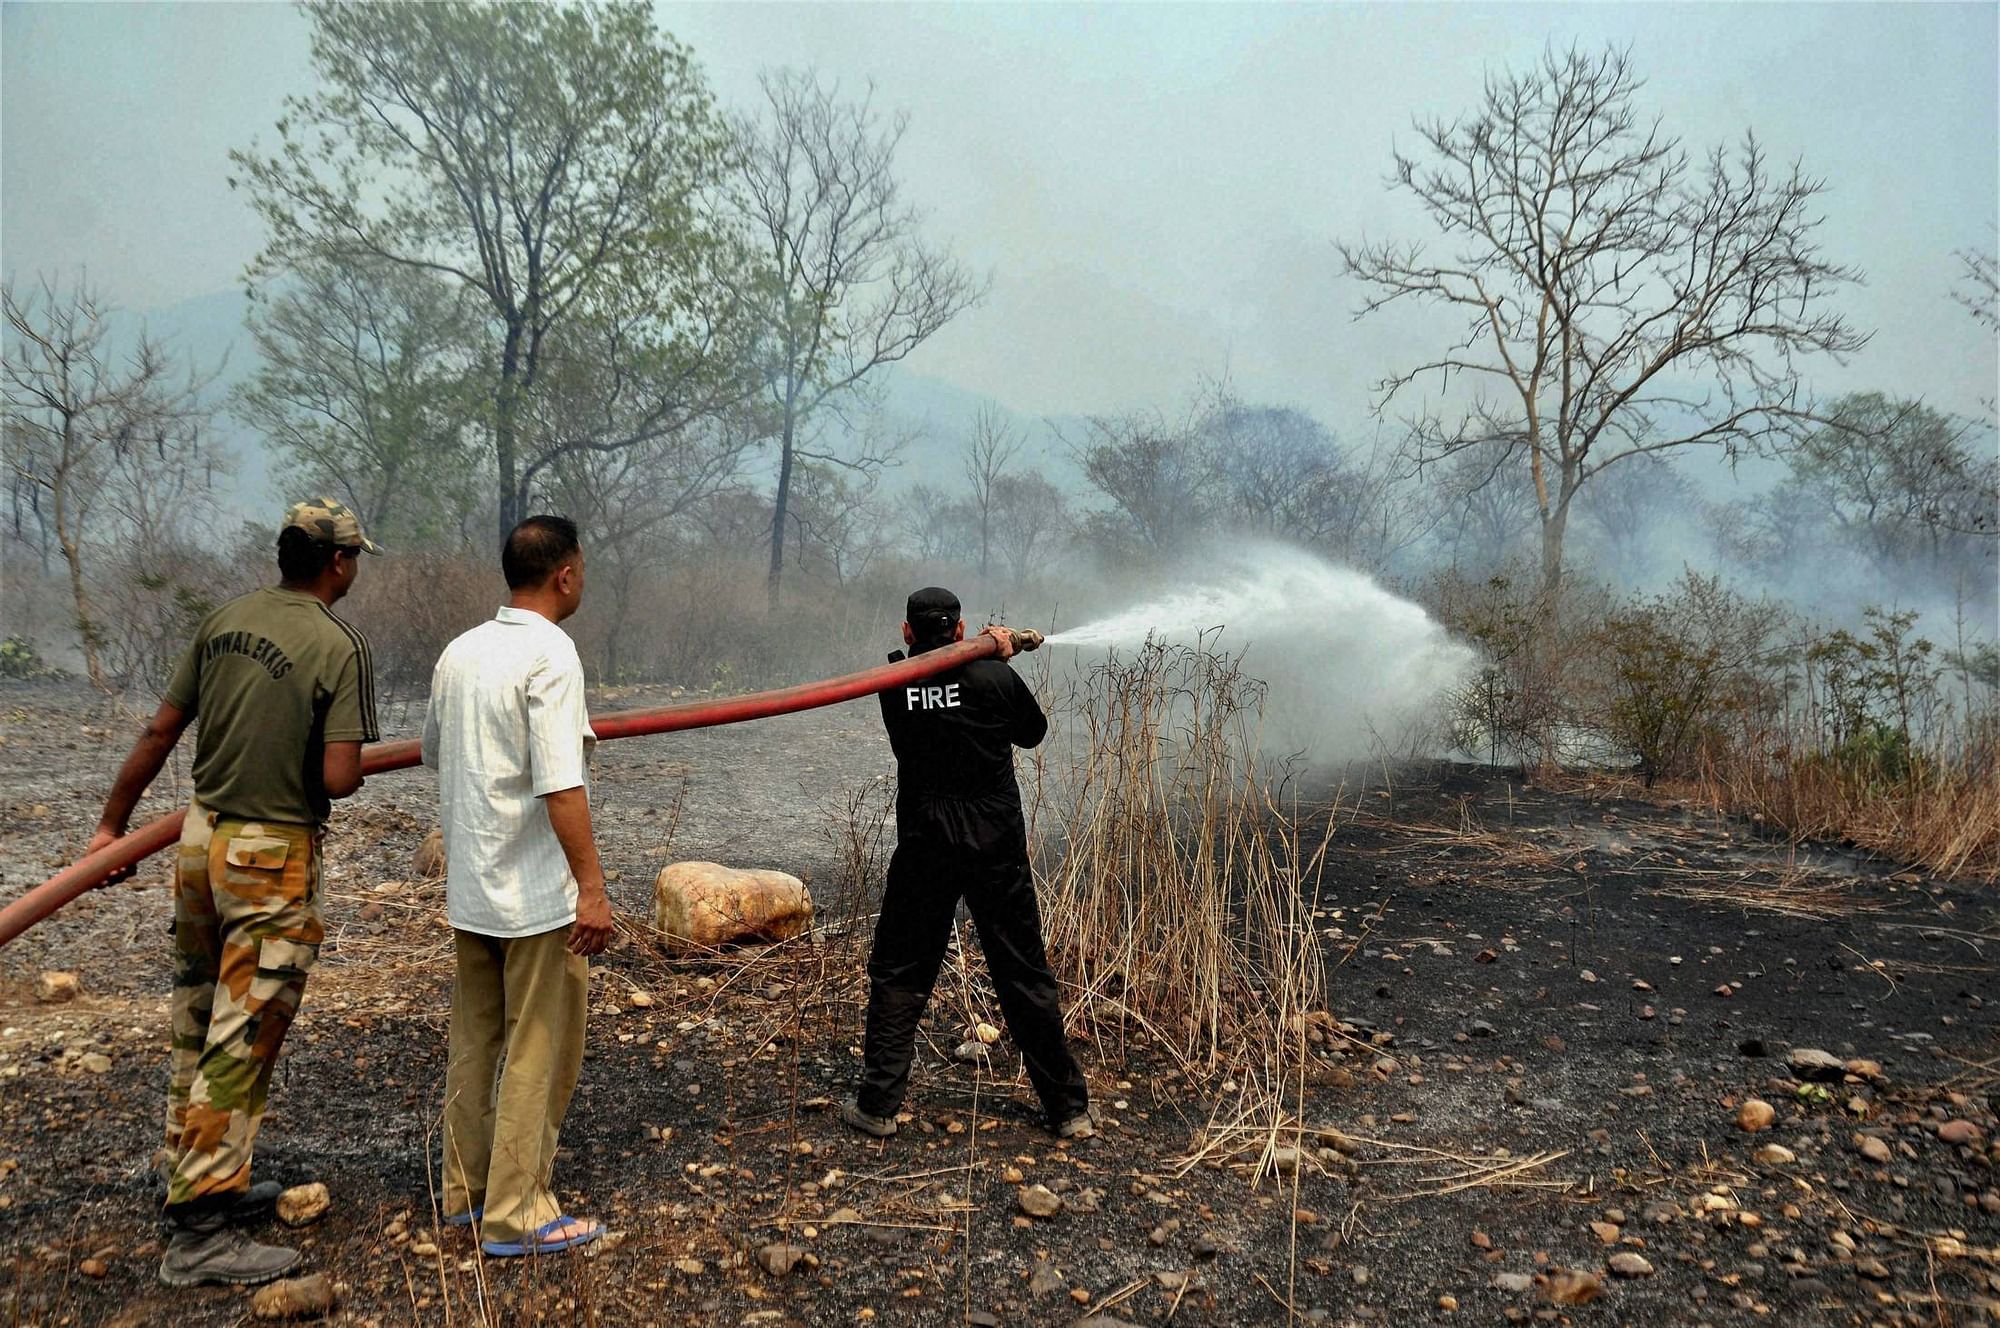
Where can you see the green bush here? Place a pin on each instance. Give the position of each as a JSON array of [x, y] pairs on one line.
[[19, 659]]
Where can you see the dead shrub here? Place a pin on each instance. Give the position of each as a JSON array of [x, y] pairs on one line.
[[1177, 884]]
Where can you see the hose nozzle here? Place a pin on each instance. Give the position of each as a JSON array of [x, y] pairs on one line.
[[1025, 638]]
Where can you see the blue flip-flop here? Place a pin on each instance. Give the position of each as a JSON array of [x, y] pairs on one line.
[[465, 1219], [536, 1244]]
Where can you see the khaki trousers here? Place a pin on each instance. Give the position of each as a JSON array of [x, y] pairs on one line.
[[517, 1020]]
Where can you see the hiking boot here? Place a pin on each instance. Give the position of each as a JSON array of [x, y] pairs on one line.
[[1079, 1126], [879, 1126], [213, 1252]]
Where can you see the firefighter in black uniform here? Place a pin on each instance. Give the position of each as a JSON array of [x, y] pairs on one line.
[[960, 833]]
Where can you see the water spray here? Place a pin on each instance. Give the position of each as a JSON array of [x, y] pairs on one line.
[[1348, 665]]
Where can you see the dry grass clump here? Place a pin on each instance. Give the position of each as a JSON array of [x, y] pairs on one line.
[[1177, 883], [1943, 817]]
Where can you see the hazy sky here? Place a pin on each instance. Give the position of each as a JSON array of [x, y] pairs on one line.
[[1154, 189]]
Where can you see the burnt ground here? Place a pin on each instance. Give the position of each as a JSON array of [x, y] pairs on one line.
[[1536, 972]]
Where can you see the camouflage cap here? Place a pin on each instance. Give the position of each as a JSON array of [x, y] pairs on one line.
[[335, 522]]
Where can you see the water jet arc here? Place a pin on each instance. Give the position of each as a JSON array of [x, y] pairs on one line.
[[90, 871]]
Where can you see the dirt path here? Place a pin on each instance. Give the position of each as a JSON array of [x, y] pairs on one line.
[[1542, 971]]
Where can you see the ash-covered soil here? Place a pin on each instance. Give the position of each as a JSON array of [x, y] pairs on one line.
[[1543, 1079]]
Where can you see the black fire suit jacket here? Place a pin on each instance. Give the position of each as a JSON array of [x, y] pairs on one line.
[[954, 737]]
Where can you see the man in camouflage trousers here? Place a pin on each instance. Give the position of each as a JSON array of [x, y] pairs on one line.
[[285, 695]]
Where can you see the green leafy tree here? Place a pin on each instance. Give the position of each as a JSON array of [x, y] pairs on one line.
[[1901, 480], [547, 158], [368, 383]]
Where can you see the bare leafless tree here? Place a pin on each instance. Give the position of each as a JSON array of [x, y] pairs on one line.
[[97, 434], [854, 286], [933, 522], [1485, 500], [837, 521], [1030, 519], [1156, 472], [1619, 297], [1979, 286], [988, 452], [635, 503], [1626, 508]]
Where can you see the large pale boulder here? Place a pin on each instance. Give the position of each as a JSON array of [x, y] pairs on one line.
[[704, 906]]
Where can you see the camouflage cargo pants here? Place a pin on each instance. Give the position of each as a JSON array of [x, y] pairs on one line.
[[246, 932]]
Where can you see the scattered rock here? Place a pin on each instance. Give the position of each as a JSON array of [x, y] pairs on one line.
[[1479, 1028], [779, 1258], [1046, 1280], [93, 1267], [986, 1033], [54, 987], [303, 1205], [1085, 1200], [294, 1298], [1774, 1155], [1037, 1201], [1574, 1287], [1958, 1132], [1755, 1115], [1513, 1283], [1814, 1065], [1605, 1232], [704, 906], [428, 863], [1873, 1149], [1626, 1263], [1874, 1269], [690, 1267], [95, 1062]]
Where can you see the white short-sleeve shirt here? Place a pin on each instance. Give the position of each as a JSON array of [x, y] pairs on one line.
[[507, 726]]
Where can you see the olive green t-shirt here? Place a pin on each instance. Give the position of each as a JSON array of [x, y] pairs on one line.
[[272, 677]]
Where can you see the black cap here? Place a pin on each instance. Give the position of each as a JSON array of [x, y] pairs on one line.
[[932, 611]]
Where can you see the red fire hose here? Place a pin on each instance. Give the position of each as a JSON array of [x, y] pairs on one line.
[[90, 871]]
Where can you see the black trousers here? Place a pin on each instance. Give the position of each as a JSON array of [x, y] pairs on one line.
[[975, 849]]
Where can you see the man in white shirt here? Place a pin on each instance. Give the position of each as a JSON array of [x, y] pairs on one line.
[[508, 734]]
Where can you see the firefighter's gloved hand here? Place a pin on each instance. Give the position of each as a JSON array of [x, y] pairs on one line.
[[1003, 636]]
